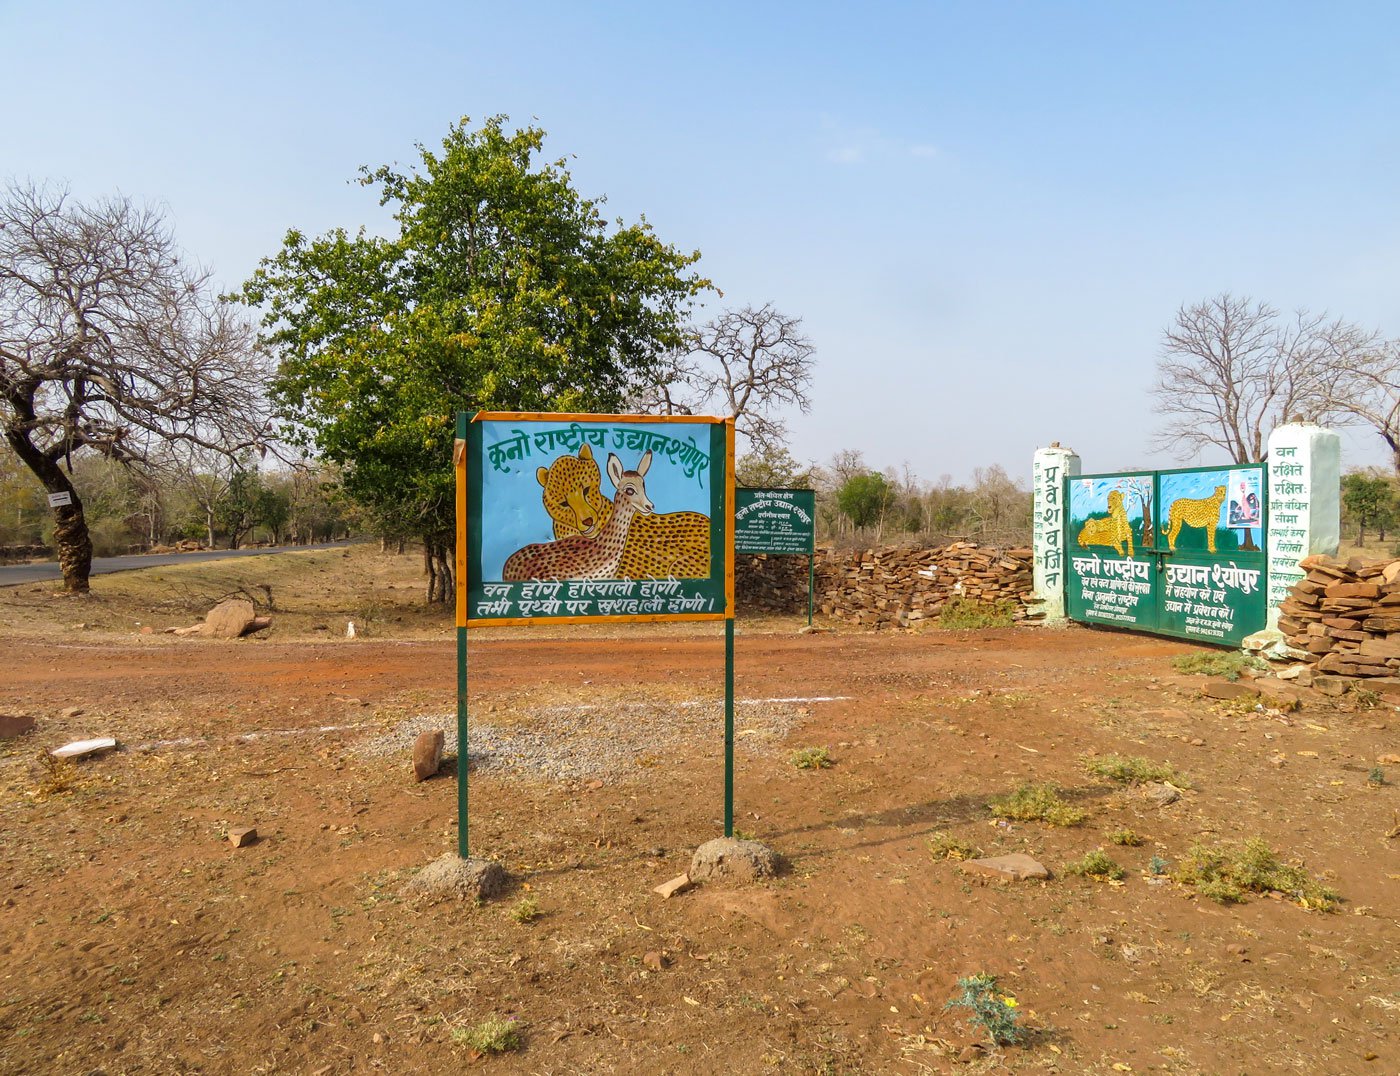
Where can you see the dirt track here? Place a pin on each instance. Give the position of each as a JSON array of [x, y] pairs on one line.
[[135, 940]]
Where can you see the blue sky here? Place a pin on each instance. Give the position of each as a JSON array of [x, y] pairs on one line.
[[985, 213]]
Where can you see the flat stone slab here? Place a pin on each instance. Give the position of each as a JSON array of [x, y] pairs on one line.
[[725, 859], [679, 884], [1017, 867], [85, 748], [1227, 690], [451, 877]]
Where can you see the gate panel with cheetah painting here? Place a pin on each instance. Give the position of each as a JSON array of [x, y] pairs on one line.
[[1173, 552]]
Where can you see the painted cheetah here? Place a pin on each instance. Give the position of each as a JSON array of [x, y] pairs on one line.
[[592, 556], [659, 546], [1203, 512], [1114, 531]]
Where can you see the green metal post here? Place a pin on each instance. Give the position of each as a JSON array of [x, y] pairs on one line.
[[729, 726], [462, 742]]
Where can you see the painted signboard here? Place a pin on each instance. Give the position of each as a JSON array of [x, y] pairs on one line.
[[1211, 520], [597, 518], [1174, 552], [1108, 546], [775, 521]]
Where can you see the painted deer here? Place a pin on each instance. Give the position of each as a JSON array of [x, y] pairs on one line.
[[593, 556]]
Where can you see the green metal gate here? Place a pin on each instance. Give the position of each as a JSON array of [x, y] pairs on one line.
[[1172, 552]]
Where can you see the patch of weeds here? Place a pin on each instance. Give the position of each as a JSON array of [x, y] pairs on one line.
[[1037, 803], [1157, 866], [945, 846], [1376, 777], [1365, 698], [1209, 663], [1226, 875], [494, 1035], [989, 1009], [1098, 865], [1125, 837], [57, 776], [961, 613], [526, 910], [1134, 770], [811, 758]]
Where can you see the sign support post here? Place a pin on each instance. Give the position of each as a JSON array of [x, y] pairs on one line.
[[811, 585], [729, 726], [459, 466]]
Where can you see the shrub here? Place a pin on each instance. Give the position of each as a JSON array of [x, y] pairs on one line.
[[1097, 865], [960, 613], [811, 758], [527, 910], [1227, 874], [990, 1009], [1037, 803], [1126, 837], [494, 1035], [945, 846], [1133, 771], [1213, 663]]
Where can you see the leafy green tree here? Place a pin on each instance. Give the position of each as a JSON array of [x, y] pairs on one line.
[[502, 289], [865, 498], [1370, 501], [772, 467]]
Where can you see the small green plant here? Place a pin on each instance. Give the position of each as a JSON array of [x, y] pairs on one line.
[[1126, 837], [1157, 866], [1228, 665], [1365, 698], [961, 613], [990, 1009], [526, 910], [1037, 803], [945, 846], [1098, 865], [1376, 777], [1226, 875], [811, 758], [494, 1035], [1134, 770]]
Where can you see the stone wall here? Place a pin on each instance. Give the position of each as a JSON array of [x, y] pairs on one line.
[[892, 586]]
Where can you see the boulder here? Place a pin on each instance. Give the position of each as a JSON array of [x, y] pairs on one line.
[[427, 754], [230, 619], [12, 725]]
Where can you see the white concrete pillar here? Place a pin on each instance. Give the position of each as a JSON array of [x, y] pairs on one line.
[[1305, 503], [1048, 473]]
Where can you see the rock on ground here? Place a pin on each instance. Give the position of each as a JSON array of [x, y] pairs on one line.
[[725, 859], [1016, 867], [12, 725], [450, 877], [230, 619], [427, 754]]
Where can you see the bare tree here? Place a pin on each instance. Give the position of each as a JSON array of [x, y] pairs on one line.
[[1372, 395], [748, 363], [1231, 369], [111, 343]]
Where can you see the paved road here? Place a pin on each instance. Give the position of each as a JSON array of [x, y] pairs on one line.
[[15, 574]]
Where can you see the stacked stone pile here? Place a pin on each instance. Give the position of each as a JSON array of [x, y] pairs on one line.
[[892, 586], [900, 586], [771, 585], [1347, 614]]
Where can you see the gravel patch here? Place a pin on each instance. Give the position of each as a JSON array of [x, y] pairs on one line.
[[570, 743]]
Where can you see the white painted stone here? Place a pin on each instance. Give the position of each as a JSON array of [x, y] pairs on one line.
[[1048, 471], [1305, 507]]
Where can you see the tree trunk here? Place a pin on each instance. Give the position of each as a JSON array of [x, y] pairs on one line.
[[437, 559], [70, 533]]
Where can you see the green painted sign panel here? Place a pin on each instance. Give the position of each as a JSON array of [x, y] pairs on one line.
[[596, 517], [775, 521], [1173, 552]]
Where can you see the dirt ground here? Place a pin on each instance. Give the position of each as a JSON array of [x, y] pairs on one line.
[[135, 939]]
